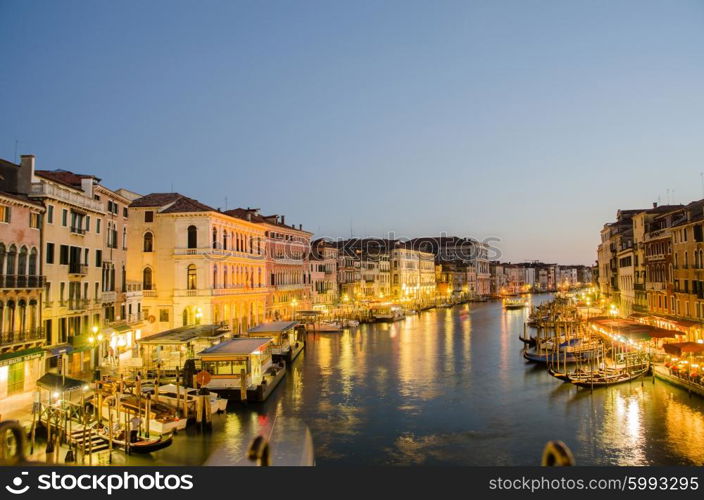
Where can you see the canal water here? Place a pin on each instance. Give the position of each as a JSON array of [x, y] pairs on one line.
[[450, 387]]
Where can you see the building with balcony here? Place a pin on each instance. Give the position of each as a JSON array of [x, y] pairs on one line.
[[322, 263], [286, 249], [21, 285], [196, 264]]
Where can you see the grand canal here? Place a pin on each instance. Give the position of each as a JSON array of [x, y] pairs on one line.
[[449, 387]]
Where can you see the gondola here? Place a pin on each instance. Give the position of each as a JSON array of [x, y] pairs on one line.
[[604, 378], [530, 341], [553, 357], [143, 445]]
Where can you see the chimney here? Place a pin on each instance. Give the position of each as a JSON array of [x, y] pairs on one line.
[[655, 204], [300, 226], [87, 186], [25, 174], [283, 219]]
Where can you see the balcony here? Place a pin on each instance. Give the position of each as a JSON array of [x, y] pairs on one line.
[[149, 293], [78, 269], [64, 194], [639, 286], [78, 304], [78, 230], [654, 287], [216, 253], [107, 297], [21, 281], [11, 338]]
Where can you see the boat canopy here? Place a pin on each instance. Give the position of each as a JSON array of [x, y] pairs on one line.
[[274, 327], [237, 346], [186, 334], [633, 329]]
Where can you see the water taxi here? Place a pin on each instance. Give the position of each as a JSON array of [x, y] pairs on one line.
[[387, 313], [515, 303], [242, 369], [287, 338]]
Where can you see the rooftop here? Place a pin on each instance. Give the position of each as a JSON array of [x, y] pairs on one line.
[[184, 334]]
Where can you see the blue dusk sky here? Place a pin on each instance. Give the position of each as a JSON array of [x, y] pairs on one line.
[[528, 121]]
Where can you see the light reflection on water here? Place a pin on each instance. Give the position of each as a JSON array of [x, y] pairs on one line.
[[449, 387]]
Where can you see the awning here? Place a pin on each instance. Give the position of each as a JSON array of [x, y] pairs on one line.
[[680, 348], [54, 382], [59, 350], [10, 358]]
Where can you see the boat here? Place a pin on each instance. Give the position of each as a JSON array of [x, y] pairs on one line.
[[242, 369], [514, 303], [173, 395], [530, 341], [553, 357], [163, 418], [329, 327], [387, 313], [607, 377], [287, 338], [142, 445]]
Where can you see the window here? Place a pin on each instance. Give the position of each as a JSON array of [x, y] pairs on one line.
[[5, 213], [87, 223], [32, 270], [97, 225], [192, 278], [63, 254], [124, 237], [192, 237], [34, 220], [148, 242], [149, 216], [163, 315], [64, 217], [124, 212], [50, 214], [98, 258], [49, 253], [147, 279]]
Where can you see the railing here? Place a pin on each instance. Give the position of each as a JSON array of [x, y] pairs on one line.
[[149, 293], [639, 286], [46, 189], [108, 296], [78, 230], [217, 252], [21, 281], [74, 268], [656, 287], [9, 338]]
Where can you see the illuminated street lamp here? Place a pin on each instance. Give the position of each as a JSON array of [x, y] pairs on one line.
[[294, 303]]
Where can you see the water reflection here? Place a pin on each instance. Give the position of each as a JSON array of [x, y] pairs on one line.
[[449, 387]]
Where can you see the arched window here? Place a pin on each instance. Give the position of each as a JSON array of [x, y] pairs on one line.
[[185, 317], [2, 258], [215, 276], [2, 317], [215, 238], [32, 271], [23, 315], [192, 277], [225, 284], [11, 258], [10, 317], [192, 237], [148, 242], [147, 278], [224, 240]]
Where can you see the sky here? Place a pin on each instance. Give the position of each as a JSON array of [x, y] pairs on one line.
[[530, 122]]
